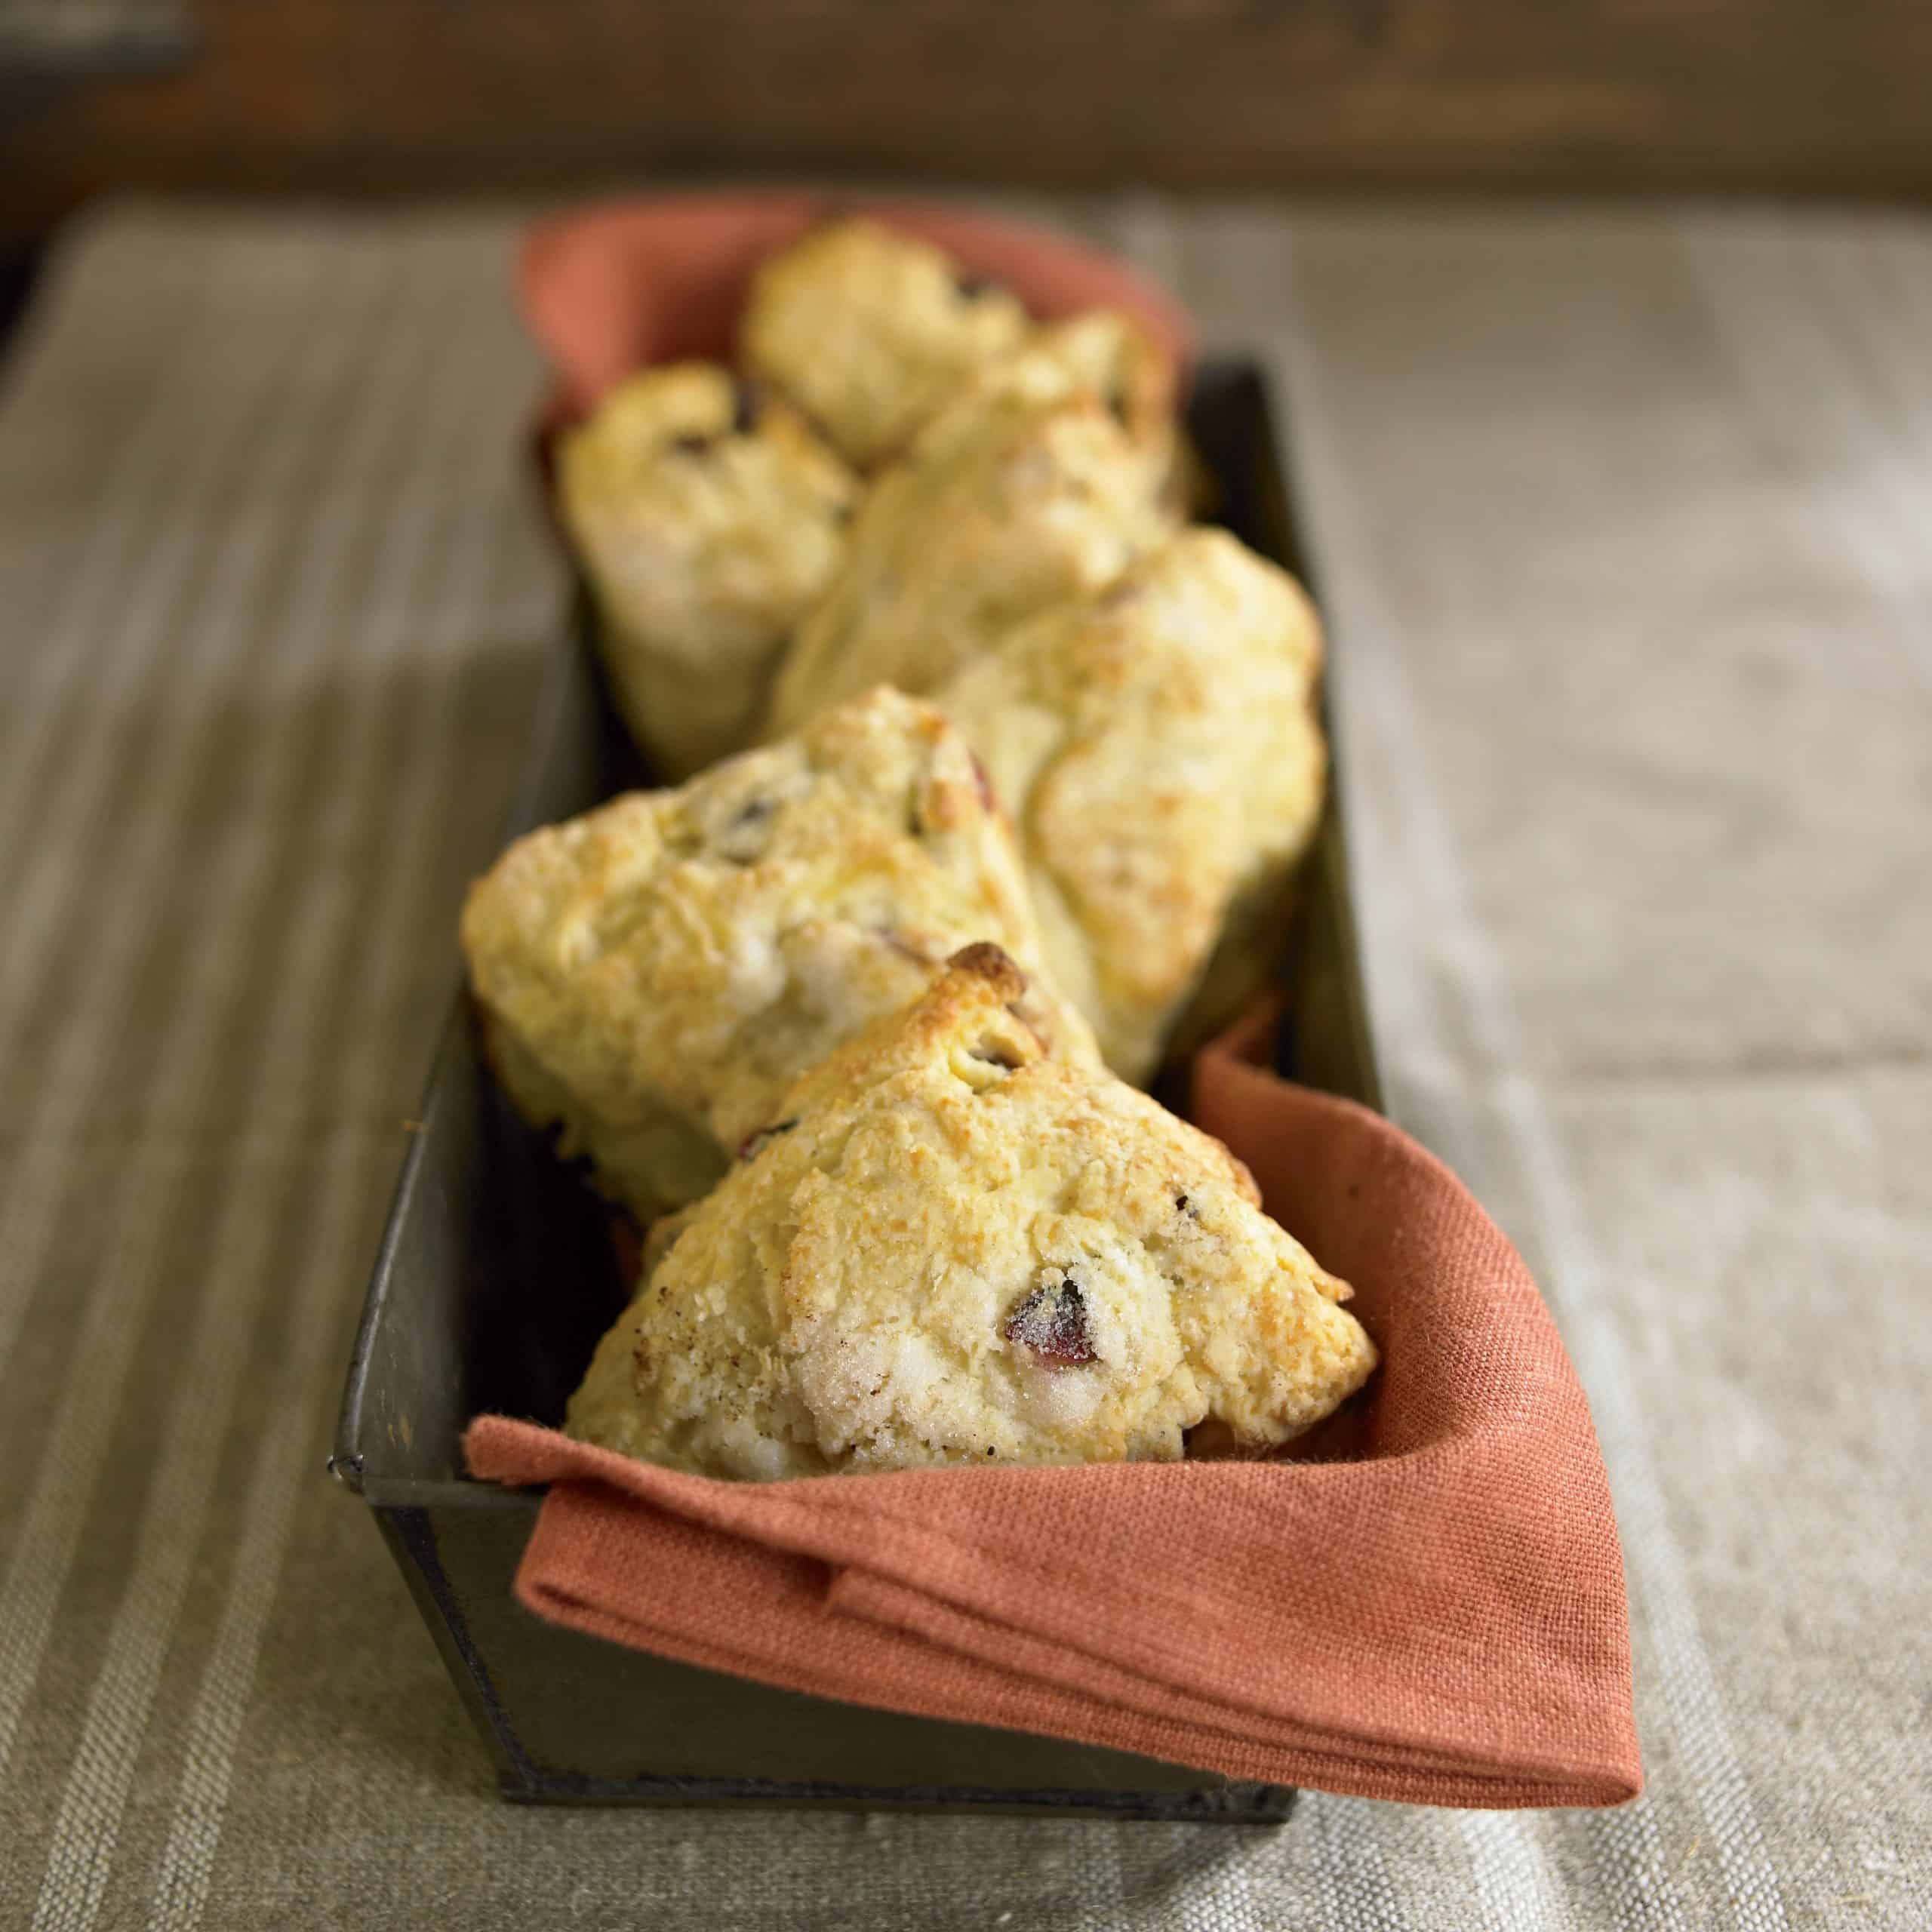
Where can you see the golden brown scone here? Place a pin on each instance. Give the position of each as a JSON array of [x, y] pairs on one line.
[[654, 974], [948, 1247], [1025, 491], [1157, 749], [708, 518], [868, 330], [1106, 351]]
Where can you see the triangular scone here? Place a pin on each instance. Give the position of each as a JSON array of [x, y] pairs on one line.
[[1025, 491], [870, 330], [653, 975], [1157, 749], [710, 517], [948, 1246]]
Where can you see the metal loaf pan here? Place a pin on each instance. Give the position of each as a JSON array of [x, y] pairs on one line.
[[483, 1210]]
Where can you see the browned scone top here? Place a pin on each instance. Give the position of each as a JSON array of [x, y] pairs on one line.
[[708, 518], [869, 331], [654, 974], [1159, 750], [1025, 491], [950, 1245]]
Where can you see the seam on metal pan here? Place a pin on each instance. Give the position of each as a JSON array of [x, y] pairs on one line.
[[412, 1525]]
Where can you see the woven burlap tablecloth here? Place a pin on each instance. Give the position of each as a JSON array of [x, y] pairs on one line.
[[1626, 521]]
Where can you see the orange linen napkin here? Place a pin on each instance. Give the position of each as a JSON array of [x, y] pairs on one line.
[[1428, 1605]]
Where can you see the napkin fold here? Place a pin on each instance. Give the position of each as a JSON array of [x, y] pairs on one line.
[[1425, 1603]]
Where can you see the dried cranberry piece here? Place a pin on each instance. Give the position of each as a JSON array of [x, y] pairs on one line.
[[1052, 1321], [982, 778], [744, 836], [753, 812]]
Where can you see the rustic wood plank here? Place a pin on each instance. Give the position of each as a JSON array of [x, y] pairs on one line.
[[415, 96]]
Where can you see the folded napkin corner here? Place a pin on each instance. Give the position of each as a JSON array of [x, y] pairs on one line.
[[1436, 1616]]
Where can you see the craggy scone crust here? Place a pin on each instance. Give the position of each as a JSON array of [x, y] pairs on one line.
[[951, 1246], [1108, 352], [1158, 751], [654, 974], [869, 331], [709, 518], [1024, 491]]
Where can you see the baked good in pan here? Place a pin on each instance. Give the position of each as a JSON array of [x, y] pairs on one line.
[[1025, 491], [708, 518], [868, 330], [651, 976], [1157, 749], [950, 1246], [1107, 352]]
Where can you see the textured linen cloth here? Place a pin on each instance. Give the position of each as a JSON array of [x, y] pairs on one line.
[[1621, 522]]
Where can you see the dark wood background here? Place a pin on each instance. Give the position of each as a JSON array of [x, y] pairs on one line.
[[388, 96]]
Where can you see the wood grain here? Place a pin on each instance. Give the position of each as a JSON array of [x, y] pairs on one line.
[[379, 96]]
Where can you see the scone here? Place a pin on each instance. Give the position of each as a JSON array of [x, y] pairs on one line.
[[653, 975], [708, 518], [1158, 751], [949, 1246], [868, 330], [1024, 491], [1107, 352]]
